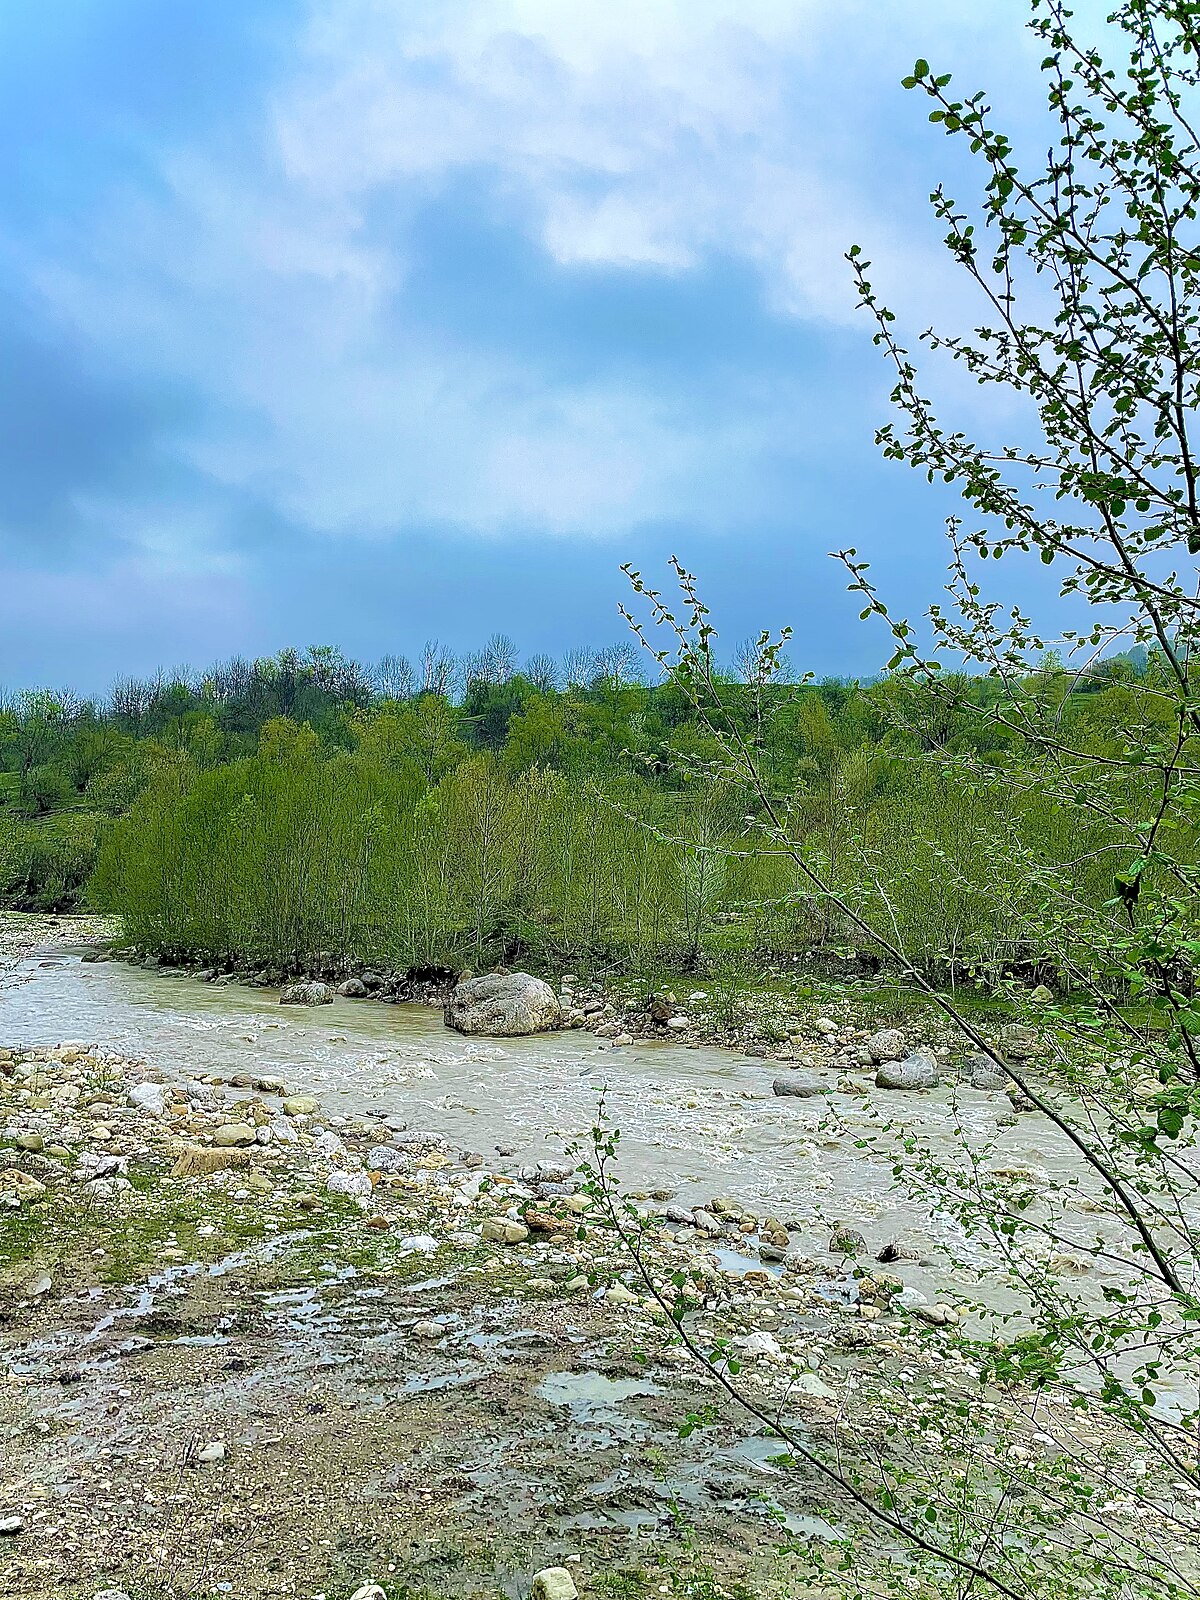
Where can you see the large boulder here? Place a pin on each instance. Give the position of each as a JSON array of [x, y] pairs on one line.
[[917, 1071], [503, 1006], [306, 994]]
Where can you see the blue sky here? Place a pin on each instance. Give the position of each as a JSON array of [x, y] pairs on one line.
[[365, 321]]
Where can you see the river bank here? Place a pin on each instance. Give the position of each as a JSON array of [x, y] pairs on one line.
[[264, 1335]]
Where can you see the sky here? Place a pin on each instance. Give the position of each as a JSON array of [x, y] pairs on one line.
[[360, 322]]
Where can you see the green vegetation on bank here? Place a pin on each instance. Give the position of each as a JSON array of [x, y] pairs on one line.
[[270, 813]]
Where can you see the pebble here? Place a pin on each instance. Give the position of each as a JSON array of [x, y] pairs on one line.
[[212, 1452], [369, 1591], [300, 1105], [11, 1525]]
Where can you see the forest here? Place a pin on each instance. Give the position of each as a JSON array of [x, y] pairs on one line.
[[479, 810]]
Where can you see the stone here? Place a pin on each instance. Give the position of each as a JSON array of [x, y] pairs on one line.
[[917, 1071], [33, 1143], [352, 989], [355, 1185], [909, 1299], [21, 1184], [233, 1135], [383, 1158], [429, 1330], [300, 1105], [307, 994], [846, 1241], [193, 1161], [503, 1230], [983, 1073], [759, 1344], [678, 1024], [110, 1594], [553, 1583], [1018, 1040], [619, 1295], [11, 1525], [503, 1006], [801, 1085], [896, 1250], [368, 1591], [886, 1045], [212, 1452]]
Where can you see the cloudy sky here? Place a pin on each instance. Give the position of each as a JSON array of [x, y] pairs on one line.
[[360, 321]]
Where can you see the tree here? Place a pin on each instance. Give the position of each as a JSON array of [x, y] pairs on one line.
[[1088, 275]]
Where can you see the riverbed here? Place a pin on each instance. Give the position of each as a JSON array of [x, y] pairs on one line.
[[694, 1121]]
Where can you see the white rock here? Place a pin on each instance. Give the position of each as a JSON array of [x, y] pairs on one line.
[[151, 1097], [369, 1591], [211, 1452], [619, 1295], [759, 1344], [355, 1184], [678, 1024], [11, 1525], [553, 1583]]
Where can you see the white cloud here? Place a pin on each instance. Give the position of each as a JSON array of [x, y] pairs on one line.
[[650, 133]]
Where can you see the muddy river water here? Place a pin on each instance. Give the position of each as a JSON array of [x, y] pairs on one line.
[[697, 1121]]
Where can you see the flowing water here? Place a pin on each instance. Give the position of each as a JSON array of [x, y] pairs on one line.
[[697, 1121]]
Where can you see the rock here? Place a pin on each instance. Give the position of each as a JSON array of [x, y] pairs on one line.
[[306, 994], [802, 1085], [37, 1287], [32, 1143], [759, 1344], [21, 1184], [11, 1525], [212, 1452], [983, 1073], [269, 1085], [503, 1230], [678, 1024], [1042, 995], [110, 1594], [619, 1295], [383, 1158], [895, 1250], [369, 1591], [232, 1135], [659, 1010], [1018, 1040], [553, 1583], [352, 989], [355, 1185], [300, 1105], [909, 1299], [886, 1045], [846, 1241], [429, 1330], [917, 1071], [503, 1007]]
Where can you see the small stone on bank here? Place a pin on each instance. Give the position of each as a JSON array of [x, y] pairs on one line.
[[553, 1583]]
